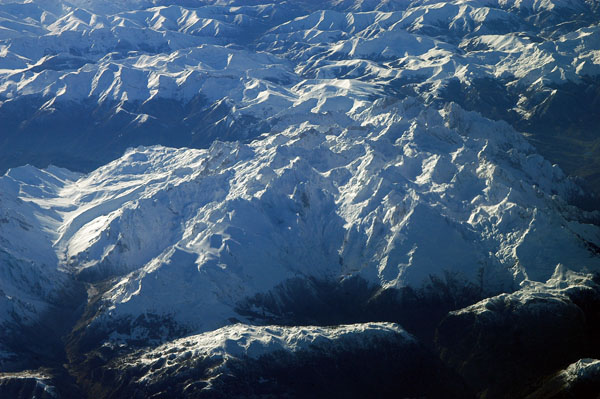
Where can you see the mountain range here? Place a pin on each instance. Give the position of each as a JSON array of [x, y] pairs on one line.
[[304, 198]]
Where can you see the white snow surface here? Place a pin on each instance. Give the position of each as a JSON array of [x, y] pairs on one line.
[[267, 59], [538, 297], [349, 182], [394, 194], [581, 369], [240, 341], [29, 273]]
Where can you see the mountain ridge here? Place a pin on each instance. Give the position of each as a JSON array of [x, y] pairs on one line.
[[391, 190]]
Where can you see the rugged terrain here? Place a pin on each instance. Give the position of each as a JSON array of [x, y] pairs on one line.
[[311, 199]]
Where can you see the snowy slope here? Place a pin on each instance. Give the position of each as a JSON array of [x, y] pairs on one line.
[[239, 342], [124, 56], [243, 341], [31, 283], [399, 194], [151, 72], [242, 361], [223, 153]]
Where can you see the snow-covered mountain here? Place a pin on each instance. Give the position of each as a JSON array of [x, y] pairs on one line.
[[241, 174], [179, 241], [242, 360], [84, 74], [400, 194]]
